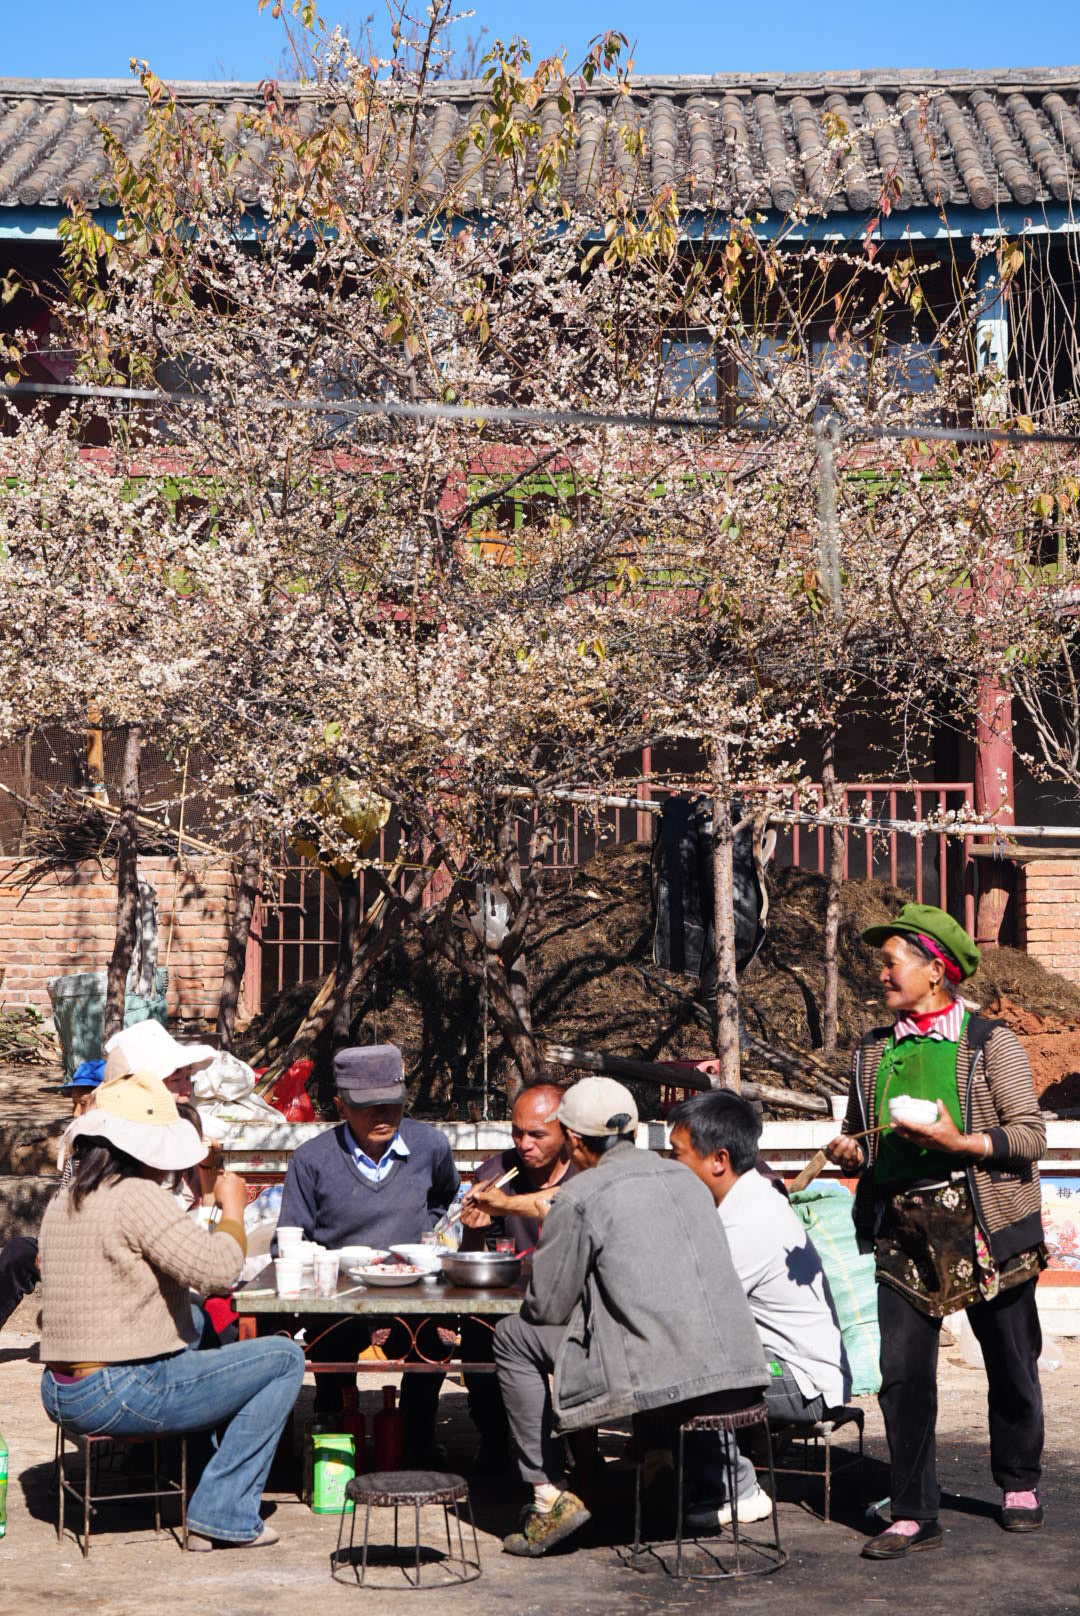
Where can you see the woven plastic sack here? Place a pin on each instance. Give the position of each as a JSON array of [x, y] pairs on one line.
[[78, 1007], [824, 1210]]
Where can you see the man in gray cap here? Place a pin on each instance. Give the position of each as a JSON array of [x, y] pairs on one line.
[[633, 1302], [378, 1179]]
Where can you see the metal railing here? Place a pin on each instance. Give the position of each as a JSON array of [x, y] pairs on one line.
[[295, 938]]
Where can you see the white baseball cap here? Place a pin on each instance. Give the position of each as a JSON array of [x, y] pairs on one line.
[[596, 1106], [148, 1047]]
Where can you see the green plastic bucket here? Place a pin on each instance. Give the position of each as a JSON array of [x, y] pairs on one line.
[[334, 1467], [78, 1007]]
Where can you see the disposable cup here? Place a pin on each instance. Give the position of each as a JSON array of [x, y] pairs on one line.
[[839, 1104], [289, 1272], [327, 1264], [289, 1236]]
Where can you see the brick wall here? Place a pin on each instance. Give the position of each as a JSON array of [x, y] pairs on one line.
[[63, 926], [1048, 913]]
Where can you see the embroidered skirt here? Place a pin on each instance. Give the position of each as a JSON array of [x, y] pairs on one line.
[[929, 1247]]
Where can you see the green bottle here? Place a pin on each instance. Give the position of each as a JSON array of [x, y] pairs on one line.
[[3, 1486]]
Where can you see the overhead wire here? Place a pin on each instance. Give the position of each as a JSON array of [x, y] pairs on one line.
[[517, 415]]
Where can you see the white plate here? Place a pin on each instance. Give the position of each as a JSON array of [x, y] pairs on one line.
[[380, 1276]]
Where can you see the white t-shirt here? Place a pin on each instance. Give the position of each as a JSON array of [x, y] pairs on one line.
[[786, 1287]]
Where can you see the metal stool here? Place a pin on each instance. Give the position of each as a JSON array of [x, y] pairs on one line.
[[824, 1431], [390, 1489], [93, 1447], [771, 1554]]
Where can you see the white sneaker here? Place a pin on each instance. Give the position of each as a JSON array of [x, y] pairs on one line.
[[705, 1517]]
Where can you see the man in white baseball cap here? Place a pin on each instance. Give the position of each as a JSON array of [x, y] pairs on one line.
[[633, 1302], [149, 1047]]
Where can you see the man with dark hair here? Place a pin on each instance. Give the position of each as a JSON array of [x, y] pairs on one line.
[[540, 1160], [716, 1135], [633, 1303]]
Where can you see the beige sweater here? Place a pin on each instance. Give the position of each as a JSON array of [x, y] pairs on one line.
[[116, 1275]]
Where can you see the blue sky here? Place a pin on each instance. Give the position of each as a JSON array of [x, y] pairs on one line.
[[214, 39]]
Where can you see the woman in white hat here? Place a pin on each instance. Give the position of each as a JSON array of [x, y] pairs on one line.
[[119, 1258], [147, 1046]]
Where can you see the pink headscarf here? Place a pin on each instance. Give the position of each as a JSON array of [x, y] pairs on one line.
[[952, 971]]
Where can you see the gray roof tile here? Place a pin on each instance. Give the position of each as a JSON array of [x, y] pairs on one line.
[[724, 141]]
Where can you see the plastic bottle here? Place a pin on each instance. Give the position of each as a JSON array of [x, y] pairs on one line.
[[449, 1229], [389, 1434], [353, 1424], [3, 1486]]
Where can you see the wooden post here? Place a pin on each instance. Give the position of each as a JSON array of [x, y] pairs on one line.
[[832, 902], [727, 985], [993, 800]]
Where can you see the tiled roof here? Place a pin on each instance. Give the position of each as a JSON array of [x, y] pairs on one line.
[[981, 139]]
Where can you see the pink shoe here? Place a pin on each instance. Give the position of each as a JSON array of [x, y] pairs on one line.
[[1021, 1512]]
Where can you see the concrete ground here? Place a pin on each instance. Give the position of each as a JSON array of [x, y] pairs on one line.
[[979, 1568]]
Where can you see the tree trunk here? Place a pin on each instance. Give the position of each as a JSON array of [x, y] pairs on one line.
[[509, 991], [127, 884], [727, 986], [833, 802], [336, 1036], [232, 976]]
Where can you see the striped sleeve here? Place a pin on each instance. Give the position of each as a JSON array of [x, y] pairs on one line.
[[1019, 1133]]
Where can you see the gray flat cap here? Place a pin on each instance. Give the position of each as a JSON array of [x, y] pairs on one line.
[[370, 1074]]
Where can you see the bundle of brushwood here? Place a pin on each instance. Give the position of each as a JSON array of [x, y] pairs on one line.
[[64, 827]]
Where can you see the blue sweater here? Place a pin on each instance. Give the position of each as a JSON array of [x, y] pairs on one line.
[[333, 1203]]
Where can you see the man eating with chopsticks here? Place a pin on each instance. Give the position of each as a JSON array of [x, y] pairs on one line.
[[511, 1193]]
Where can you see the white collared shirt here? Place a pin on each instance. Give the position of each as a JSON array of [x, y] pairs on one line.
[[785, 1285], [945, 1029], [373, 1171]]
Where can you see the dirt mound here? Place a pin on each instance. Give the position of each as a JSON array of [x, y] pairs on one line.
[[594, 984]]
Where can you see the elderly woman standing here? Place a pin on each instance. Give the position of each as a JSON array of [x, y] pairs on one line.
[[952, 1211], [119, 1257]]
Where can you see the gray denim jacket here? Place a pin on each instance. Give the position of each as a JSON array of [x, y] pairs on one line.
[[633, 1259]]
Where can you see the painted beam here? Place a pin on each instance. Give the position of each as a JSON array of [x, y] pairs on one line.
[[915, 225]]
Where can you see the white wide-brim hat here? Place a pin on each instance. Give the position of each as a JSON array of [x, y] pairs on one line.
[[138, 1115], [149, 1047]]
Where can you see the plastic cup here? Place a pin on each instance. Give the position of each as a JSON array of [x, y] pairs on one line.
[[289, 1273], [327, 1264], [289, 1237], [839, 1104]]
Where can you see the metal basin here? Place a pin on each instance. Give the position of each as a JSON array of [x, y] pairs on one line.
[[480, 1267]]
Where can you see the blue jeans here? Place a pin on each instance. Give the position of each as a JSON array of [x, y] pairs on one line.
[[250, 1388]]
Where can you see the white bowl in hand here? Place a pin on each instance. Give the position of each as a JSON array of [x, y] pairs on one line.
[[907, 1110]]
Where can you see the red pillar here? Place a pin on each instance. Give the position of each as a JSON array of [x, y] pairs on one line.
[[993, 800], [644, 819]]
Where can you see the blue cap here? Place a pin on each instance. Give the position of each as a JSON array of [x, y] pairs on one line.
[[86, 1076]]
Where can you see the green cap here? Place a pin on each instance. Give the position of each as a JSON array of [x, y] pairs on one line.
[[935, 924]]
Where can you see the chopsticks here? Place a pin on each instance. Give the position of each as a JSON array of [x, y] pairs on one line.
[[505, 1179], [802, 1180]]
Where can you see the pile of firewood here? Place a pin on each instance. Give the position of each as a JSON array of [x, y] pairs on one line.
[[65, 827]]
